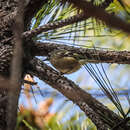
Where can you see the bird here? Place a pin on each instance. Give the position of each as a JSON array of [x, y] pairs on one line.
[[65, 61]]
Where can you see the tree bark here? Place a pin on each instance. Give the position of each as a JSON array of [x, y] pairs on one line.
[[92, 55], [73, 92], [85, 101], [7, 15]]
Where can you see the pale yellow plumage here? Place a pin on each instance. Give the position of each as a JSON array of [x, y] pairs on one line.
[[64, 62]]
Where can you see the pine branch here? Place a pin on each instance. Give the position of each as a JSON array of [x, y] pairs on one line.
[[62, 23], [92, 55], [32, 8], [99, 13], [105, 4], [76, 18], [74, 93], [44, 49], [55, 25]]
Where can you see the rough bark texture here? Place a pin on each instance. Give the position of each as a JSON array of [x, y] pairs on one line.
[[85, 101], [7, 14], [55, 25], [72, 91], [16, 67], [92, 55]]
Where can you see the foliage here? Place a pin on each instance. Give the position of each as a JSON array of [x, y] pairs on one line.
[[88, 33], [41, 118]]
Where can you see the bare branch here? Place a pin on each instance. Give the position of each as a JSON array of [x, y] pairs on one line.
[[55, 25], [92, 55], [73, 92], [100, 125]]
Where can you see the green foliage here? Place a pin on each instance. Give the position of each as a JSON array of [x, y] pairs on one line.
[[23, 123]]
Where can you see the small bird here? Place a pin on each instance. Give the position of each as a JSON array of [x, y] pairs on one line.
[[65, 61]]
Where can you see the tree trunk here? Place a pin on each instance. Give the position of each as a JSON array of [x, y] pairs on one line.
[[7, 14]]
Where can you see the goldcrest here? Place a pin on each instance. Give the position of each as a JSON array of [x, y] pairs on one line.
[[65, 61]]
